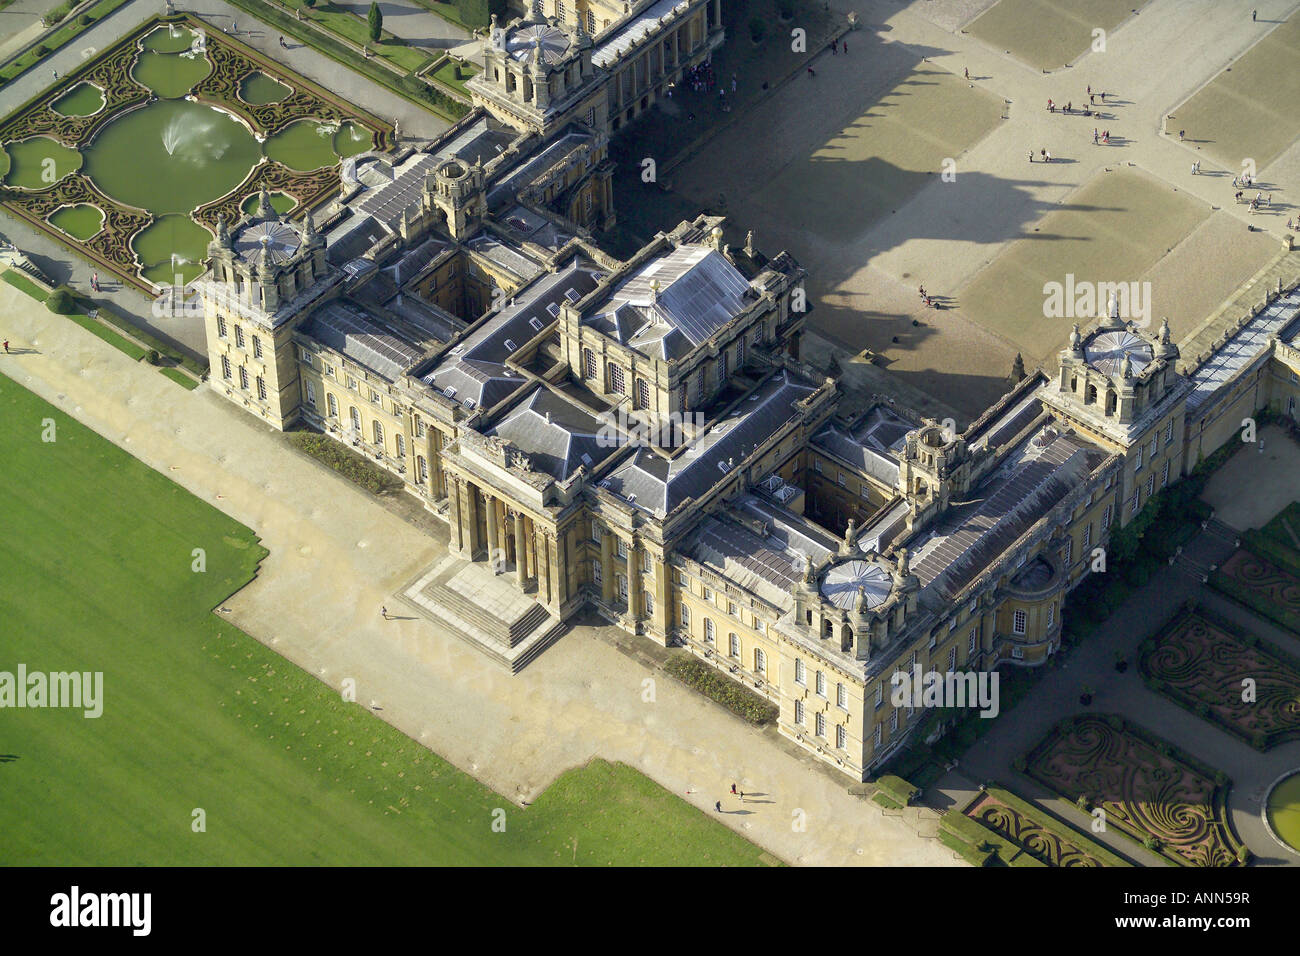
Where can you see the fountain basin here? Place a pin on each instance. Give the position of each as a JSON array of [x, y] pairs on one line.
[[1282, 812], [80, 221], [171, 156], [84, 99]]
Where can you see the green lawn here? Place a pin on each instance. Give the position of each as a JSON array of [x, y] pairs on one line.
[[199, 715], [446, 75], [70, 29]]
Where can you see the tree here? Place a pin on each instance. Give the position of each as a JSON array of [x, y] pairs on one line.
[[61, 301], [376, 21]]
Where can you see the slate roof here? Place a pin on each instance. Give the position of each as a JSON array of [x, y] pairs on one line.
[[1281, 318], [612, 48], [1039, 473], [558, 436], [758, 564], [870, 444], [658, 484], [474, 369], [699, 292], [346, 329]]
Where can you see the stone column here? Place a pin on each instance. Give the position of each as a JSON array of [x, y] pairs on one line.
[[633, 584], [661, 615], [471, 518], [493, 539], [521, 551], [606, 569], [453, 514], [544, 589]]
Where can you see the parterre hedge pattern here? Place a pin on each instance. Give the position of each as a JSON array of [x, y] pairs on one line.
[[111, 72], [1030, 835], [1200, 664], [1145, 786]]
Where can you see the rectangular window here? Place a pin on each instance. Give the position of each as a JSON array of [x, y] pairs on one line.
[[642, 393], [734, 645], [221, 327], [1133, 505], [311, 393], [817, 465], [588, 363], [685, 613], [1068, 554], [798, 712], [839, 478], [722, 366], [970, 644], [374, 398], [421, 468], [419, 427], [261, 388], [352, 383], [1169, 434], [306, 356], [1106, 516], [841, 736], [893, 721], [648, 601], [820, 724], [257, 348], [332, 404], [616, 381], [701, 381], [239, 337], [1020, 621], [595, 532], [400, 439], [622, 586], [1151, 485], [378, 431], [799, 674], [842, 696], [1137, 459], [821, 683], [225, 367], [952, 658], [732, 609], [622, 548], [1164, 474], [243, 377], [708, 631], [760, 661], [878, 734], [1087, 537], [880, 694]]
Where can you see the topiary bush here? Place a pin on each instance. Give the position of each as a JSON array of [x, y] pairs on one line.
[[152, 357], [61, 301]]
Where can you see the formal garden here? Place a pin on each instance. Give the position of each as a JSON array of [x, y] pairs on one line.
[[131, 159], [1148, 789], [1201, 662], [1264, 574], [1023, 831]]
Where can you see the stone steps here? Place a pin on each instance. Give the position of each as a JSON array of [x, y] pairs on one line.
[[508, 634]]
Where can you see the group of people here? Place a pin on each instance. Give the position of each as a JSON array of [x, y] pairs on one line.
[[1100, 137], [926, 297], [1257, 202], [1044, 153]]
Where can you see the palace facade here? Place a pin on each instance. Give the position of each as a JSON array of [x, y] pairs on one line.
[[640, 437]]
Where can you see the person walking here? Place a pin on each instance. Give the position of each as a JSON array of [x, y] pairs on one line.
[[733, 789], [1031, 155], [811, 72], [718, 806], [1043, 154], [7, 341], [1253, 14], [1095, 136], [1181, 133], [1090, 89], [384, 612], [966, 73], [1049, 159]]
